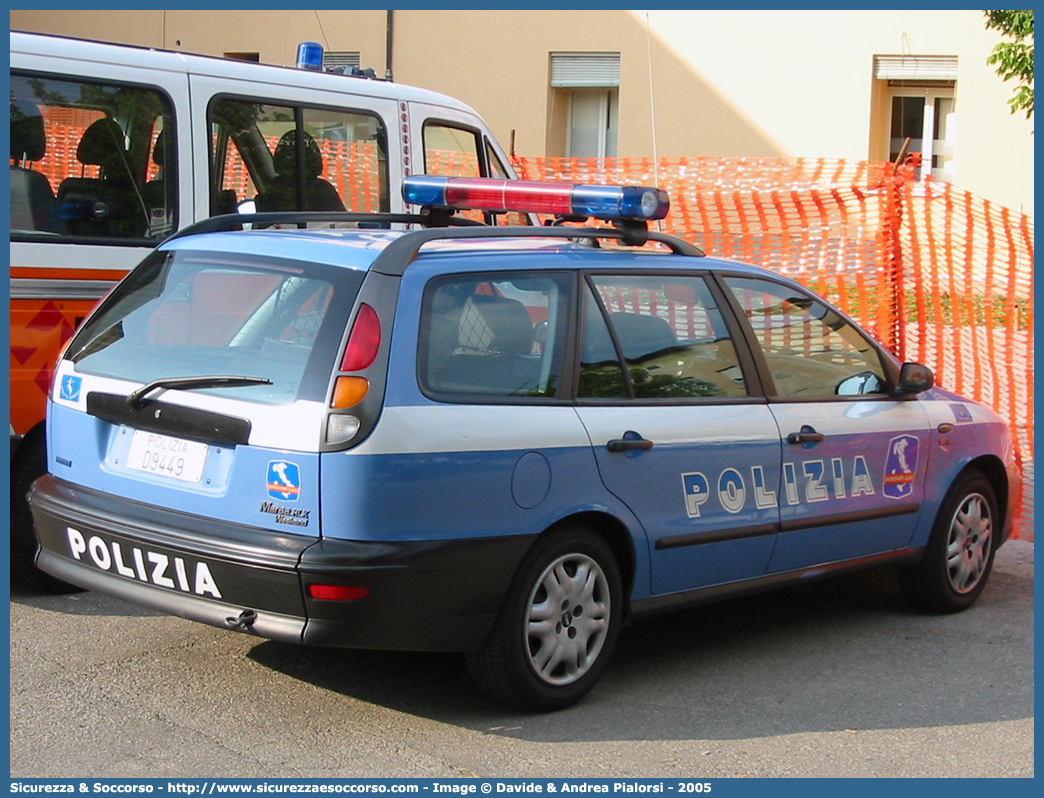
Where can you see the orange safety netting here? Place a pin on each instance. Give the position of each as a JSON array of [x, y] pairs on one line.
[[941, 276]]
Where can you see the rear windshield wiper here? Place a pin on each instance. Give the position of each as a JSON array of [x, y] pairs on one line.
[[137, 399]]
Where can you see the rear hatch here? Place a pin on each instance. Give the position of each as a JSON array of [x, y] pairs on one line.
[[200, 386]]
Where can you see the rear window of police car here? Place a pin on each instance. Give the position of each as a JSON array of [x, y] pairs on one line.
[[188, 314]]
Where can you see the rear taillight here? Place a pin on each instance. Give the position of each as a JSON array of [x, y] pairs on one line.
[[364, 341], [349, 391], [351, 388], [359, 353], [341, 428]]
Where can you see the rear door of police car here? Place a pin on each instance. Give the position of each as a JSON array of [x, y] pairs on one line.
[[679, 429]]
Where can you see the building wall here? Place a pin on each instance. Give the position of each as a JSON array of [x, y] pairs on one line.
[[724, 83]]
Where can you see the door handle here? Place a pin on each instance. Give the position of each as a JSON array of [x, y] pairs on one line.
[[629, 442], [807, 435]]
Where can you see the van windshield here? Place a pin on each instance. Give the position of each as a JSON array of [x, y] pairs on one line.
[[190, 314]]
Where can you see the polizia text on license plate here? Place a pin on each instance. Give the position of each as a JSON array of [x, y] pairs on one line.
[[154, 453]]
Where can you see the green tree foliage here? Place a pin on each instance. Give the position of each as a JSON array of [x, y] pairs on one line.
[[1014, 59]]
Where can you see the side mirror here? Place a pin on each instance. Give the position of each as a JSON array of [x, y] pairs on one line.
[[914, 378], [864, 382]]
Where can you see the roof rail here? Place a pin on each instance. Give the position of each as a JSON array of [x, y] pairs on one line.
[[400, 253], [438, 224], [236, 221]]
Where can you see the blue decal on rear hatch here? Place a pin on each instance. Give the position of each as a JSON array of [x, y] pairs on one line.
[[284, 480]]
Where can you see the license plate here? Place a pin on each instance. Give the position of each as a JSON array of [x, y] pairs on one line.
[[167, 456]]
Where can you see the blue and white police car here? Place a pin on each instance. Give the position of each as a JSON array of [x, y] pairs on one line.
[[503, 441]]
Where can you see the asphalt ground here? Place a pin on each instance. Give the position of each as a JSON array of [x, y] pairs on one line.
[[835, 678]]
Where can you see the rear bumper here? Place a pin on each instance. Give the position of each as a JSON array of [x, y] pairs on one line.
[[426, 596]]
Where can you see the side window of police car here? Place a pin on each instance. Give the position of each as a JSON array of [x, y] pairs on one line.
[[810, 350], [671, 336], [91, 160], [494, 335], [257, 148]]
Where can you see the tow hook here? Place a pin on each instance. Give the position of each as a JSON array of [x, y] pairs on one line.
[[243, 622]]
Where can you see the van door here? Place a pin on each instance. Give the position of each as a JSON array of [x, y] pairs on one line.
[[455, 143], [285, 148]]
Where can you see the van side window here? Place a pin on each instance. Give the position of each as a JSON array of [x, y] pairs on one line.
[[91, 160], [494, 335], [670, 332], [457, 152], [286, 158], [453, 152]]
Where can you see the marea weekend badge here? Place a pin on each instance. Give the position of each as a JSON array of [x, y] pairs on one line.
[[901, 467], [284, 480]]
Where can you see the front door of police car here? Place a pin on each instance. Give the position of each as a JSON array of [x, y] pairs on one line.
[[853, 457]]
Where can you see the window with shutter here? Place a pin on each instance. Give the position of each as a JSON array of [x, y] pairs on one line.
[[585, 98], [584, 70]]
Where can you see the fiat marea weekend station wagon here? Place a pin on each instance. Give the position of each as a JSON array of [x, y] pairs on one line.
[[419, 432]]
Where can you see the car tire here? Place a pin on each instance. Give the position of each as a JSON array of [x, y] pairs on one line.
[[959, 556], [29, 464], [558, 625]]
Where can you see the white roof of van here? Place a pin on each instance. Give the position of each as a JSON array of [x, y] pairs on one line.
[[40, 44]]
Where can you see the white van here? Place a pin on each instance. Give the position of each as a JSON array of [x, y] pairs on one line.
[[114, 147]]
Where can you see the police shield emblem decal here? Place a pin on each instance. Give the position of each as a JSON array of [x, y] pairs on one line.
[[901, 467], [284, 480], [71, 389]]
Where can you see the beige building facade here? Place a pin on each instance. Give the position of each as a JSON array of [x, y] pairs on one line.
[[818, 84]]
